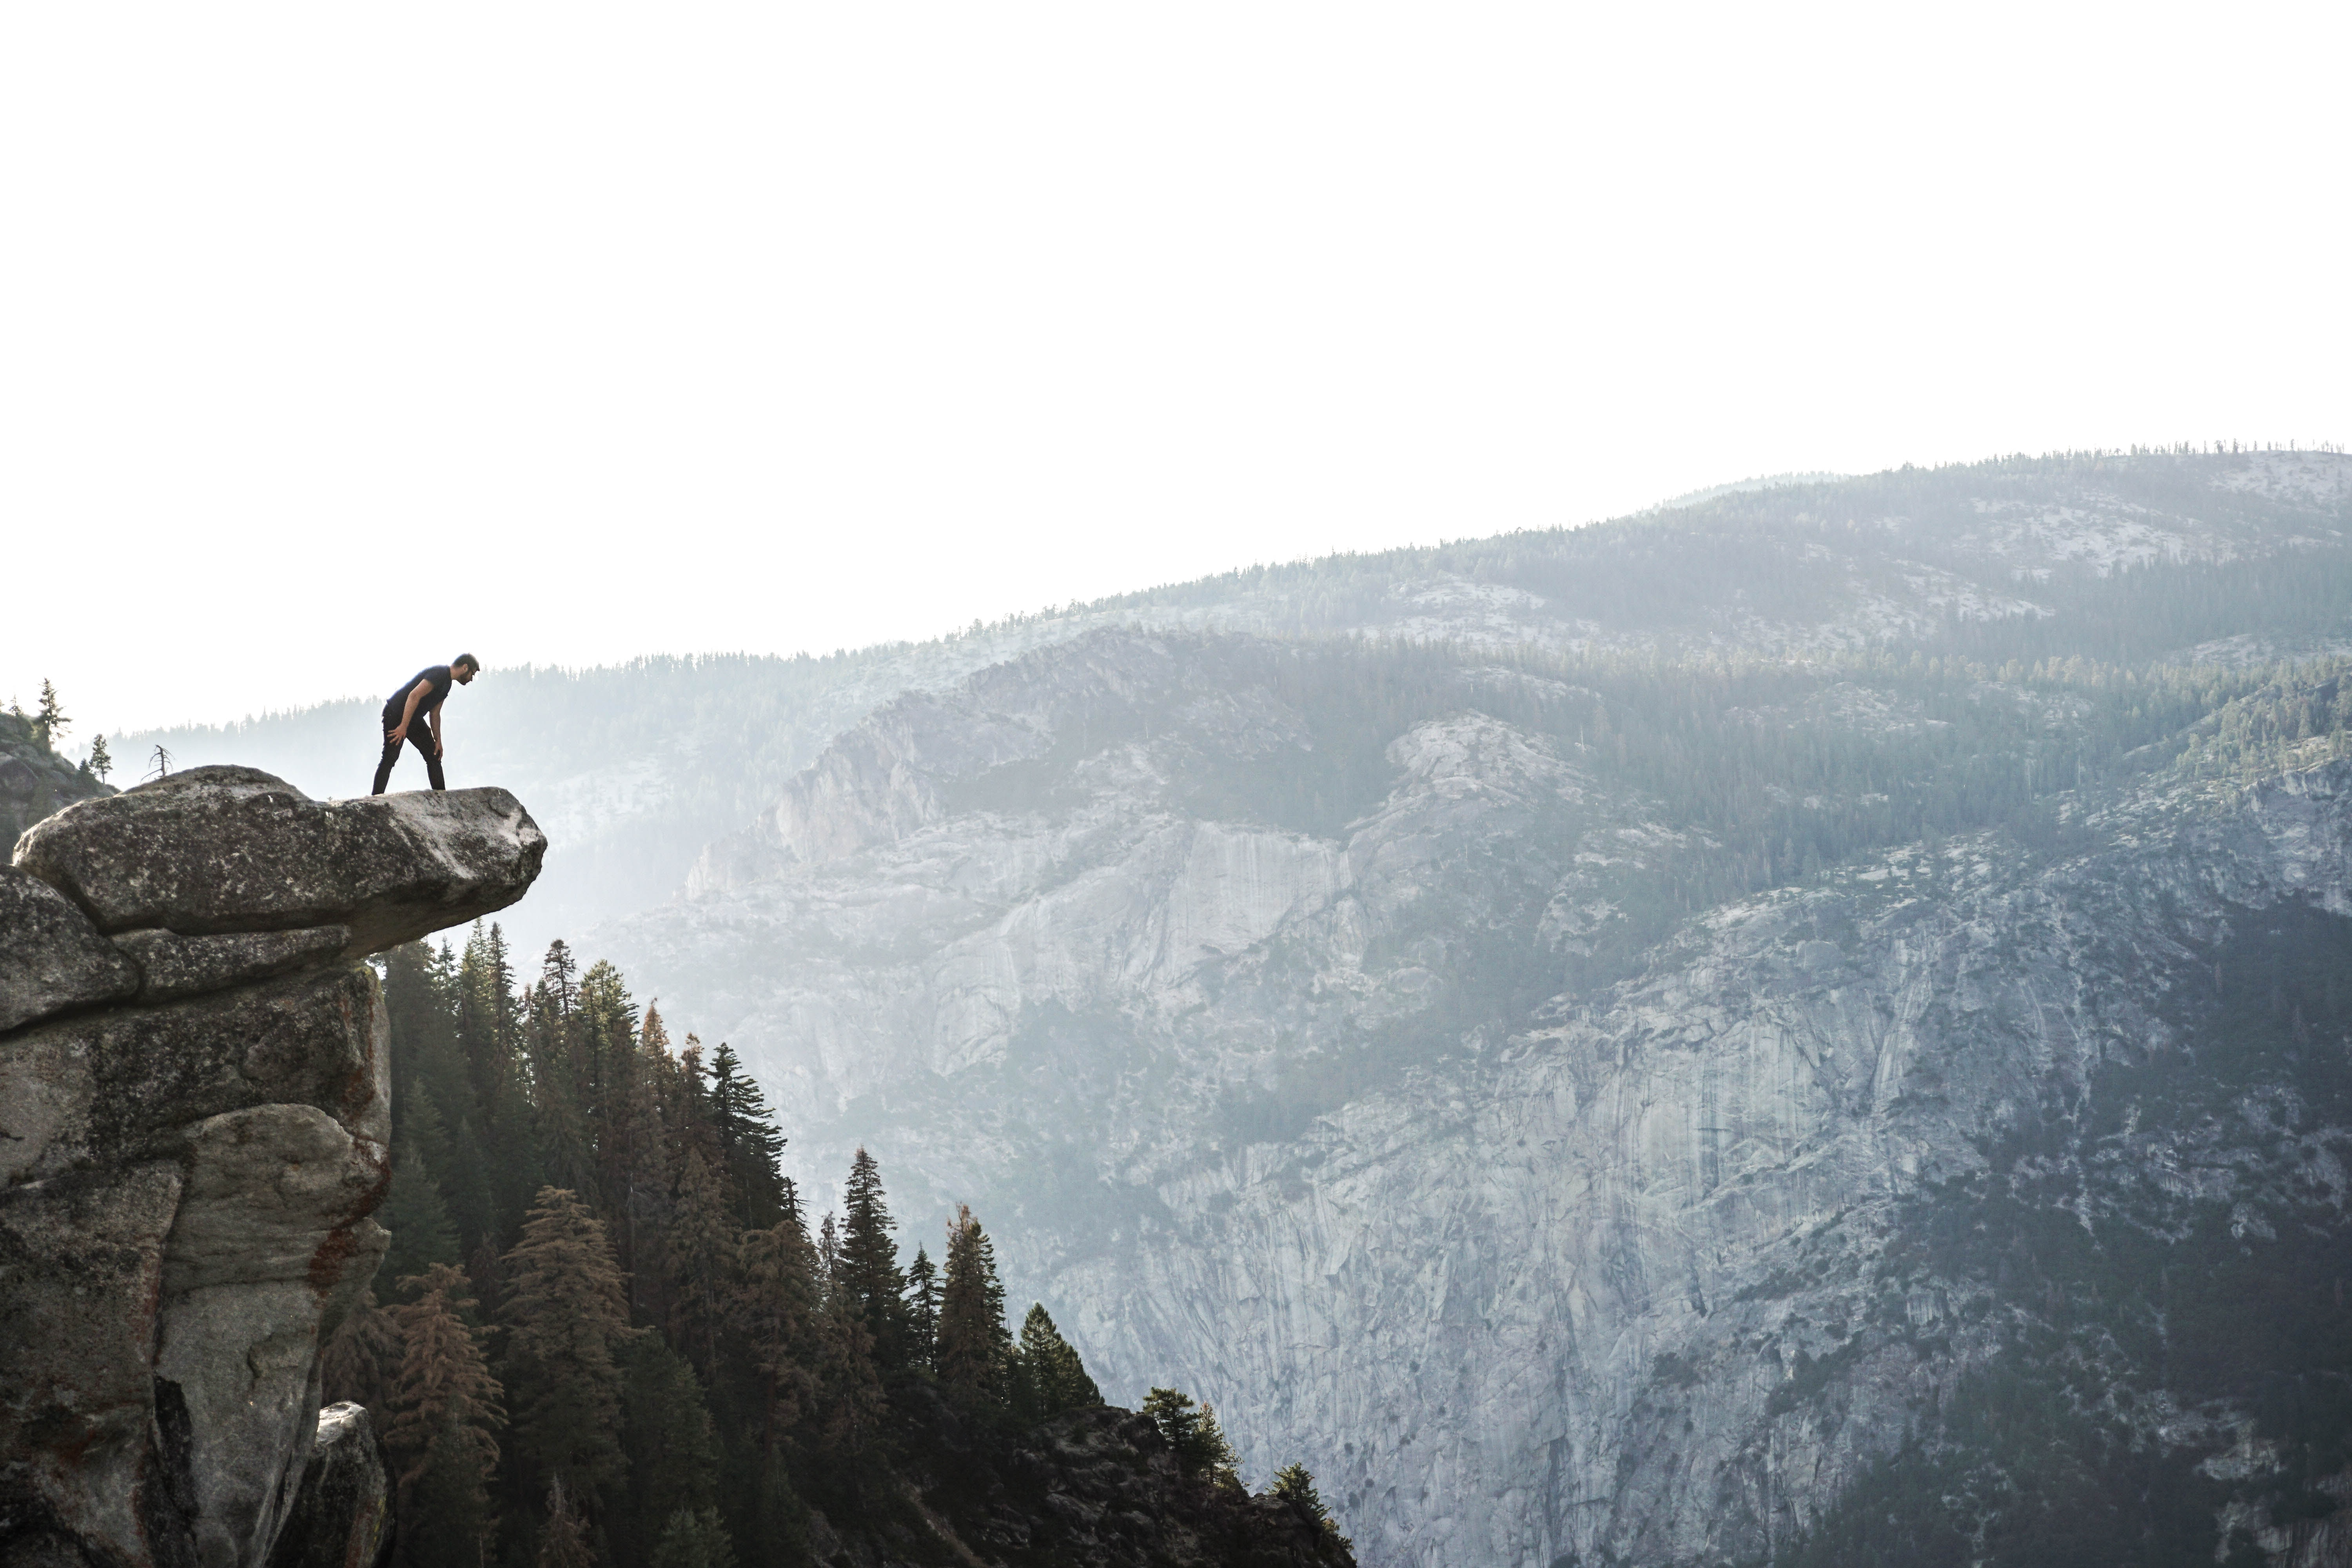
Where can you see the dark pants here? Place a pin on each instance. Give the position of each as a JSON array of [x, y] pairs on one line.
[[420, 735]]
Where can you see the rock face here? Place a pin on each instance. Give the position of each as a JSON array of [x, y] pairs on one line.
[[1281, 1095], [51, 958], [171, 965], [194, 1119], [341, 1516]]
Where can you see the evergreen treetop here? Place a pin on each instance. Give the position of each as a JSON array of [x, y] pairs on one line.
[[1193, 1432], [922, 1310], [569, 1314], [50, 721], [446, 1408], [556, 972], [1053, 1378], [749, 1139], [866, 1273], [974, 1344]]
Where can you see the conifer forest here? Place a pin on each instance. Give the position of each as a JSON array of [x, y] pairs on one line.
[[608, 1332]]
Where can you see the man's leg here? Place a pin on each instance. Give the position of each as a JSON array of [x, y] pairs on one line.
[[420, 736], [384, 768]]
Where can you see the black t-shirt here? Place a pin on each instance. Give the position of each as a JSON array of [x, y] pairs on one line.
[[440, 678]]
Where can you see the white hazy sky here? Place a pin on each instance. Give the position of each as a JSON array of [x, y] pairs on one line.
[[171, 568]]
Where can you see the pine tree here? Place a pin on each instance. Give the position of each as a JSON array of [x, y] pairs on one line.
[[973, 1343], [417, 1217], [868, 1275], [695, 1539], [653, 1035], [559, 1102], [703, 1252], [100, 762], [1179, 1420], [673, 1448], [1295, 1484], [1052, 1377], [434, 1110], [417, 984], [604, 1055], [922, 1310], [1192, 1433], [848, 1383], [570, 1317], [1219, 1461], [51, 721], [563, 1544], [777, 1522], [471, 1190], [748, 1138], [555, 973], [445, 1409], [487, 1014], [361, 1357], [774, 1308], [637, 1163]]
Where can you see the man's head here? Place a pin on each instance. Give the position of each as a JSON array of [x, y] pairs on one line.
[[463, 668]]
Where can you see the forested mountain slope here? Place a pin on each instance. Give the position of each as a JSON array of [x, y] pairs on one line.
[[34, 779], [1822, 994], [606, 1331]]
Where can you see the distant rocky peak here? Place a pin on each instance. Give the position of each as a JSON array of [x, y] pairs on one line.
[[1474, 748]]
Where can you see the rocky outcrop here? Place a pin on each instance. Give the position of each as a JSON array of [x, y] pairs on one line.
[[341, 1516], [194, 1108], [50, 957], [234, 850], [34, 779], [171, 965]]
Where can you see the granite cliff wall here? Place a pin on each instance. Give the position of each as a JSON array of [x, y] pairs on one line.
[[194, 1108], [1315, 1120]]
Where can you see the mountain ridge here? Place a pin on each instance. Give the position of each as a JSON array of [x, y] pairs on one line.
[[640, 767], [1227, 946], [1200, 953]]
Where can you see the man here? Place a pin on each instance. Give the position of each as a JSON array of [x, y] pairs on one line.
[[411, 707]]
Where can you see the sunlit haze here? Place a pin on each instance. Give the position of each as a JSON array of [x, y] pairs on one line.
[[213, 568]]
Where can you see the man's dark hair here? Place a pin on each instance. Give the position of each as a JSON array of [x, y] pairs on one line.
[[468, 660]]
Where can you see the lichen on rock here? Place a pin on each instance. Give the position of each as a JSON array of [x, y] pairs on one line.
[[51, 957]]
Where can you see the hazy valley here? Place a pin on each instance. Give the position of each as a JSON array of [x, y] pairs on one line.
[[1649, 1043]]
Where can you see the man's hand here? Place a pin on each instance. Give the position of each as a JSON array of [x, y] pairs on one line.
[[408, 713]]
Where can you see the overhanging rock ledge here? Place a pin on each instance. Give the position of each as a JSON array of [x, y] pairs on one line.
[[194, 1114]]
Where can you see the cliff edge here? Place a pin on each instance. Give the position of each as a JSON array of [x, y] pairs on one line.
[[194, 1105]]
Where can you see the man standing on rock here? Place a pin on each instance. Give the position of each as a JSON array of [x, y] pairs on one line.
[[418, 700]]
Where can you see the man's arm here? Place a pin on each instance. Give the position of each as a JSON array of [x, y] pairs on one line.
[[415, 695], [436, 729]]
